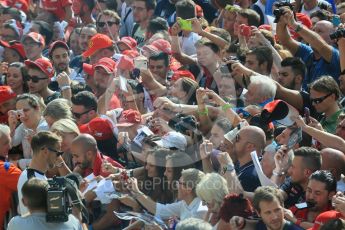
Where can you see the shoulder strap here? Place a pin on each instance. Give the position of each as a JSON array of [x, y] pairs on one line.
[[135, 28], [127, 14]]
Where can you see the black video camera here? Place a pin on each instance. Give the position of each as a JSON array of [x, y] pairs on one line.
[[337, 34], [58, 203], [279, 12]]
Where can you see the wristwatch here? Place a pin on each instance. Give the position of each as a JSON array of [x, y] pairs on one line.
[[228, 168]]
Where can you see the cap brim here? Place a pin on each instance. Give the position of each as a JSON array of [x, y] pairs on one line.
[[124, 124], [121, 42], [88, 69], [89, 52], [105, 68], [31, 63], [4, 44]]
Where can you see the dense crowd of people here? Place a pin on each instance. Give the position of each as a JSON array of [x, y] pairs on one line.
[[172, 114]]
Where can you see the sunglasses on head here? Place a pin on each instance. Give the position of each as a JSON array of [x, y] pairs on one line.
[[78, 115], [319, 99], [102, 24], [35, 79], [58, 153]]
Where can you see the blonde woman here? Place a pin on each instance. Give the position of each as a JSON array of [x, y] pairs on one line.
[[211, 190], [67, 130]]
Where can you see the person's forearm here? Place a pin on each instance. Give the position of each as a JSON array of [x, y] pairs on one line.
[[206, 165], [285, 38], [341, 46], [325, 138], [292, 97], [205, 121], [153, 86], [67, 94], [314, 40], [68, 13], [220, 42], [146, 201], [177, 52]]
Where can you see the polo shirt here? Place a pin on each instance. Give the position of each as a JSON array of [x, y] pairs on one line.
[[287, 226], [330, 123], [181, 210], [57, 7], [97, 166], [248, 176], [295, 193], [320, 67], [9, 175], [37, 220], [22, 179]]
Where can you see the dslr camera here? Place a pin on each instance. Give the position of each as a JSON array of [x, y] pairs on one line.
[[58, 203], [337, 34], [279, 12]]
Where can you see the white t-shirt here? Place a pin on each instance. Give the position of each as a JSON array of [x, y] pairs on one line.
[[181, 210], [22, 179], [36, 221], [187, 43]]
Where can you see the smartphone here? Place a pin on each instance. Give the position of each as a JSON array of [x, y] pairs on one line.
[[185, 24], [302, 205], [307, 115], [336, 20], [135, 73], [140, 63], [245, 30]]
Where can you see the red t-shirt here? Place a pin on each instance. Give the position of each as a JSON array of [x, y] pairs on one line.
[[57, 7], [97, 166], [302, 214]]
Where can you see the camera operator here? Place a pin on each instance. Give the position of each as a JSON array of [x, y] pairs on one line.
[[46, 155], [321, 57], [37, 205]]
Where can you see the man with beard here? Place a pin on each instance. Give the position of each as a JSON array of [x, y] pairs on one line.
[[292, 73], [321, 188], [83, 9], [60, 57], [87, 158], [46, 153], [269, 205], [7, 102]]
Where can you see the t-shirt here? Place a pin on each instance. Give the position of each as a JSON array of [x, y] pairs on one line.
[[330, 124], [320, 67], [138, 34], [248, 176], [36, 221], [22, 179], [56, 7], [188, 43], [287, 226], [181, 210]]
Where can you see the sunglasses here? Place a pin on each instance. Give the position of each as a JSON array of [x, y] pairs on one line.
[[58, 153], [78, 115], [320, 99], [35, 79], [102, 24]]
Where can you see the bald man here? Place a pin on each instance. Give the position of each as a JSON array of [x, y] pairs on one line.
[[248, 139], [334, 161], [86, 157]]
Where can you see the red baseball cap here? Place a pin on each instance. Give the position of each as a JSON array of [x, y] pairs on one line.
[[182, 73], [162, 45], [57, 44], [15, 45], [199, 11], [36, 37], [129, 118], [324, 217], [125, 63], [98, 41], [43, 64], [106, 63], [88, 68], [131, 53], [6, 93], [99, 128], [130, 42]]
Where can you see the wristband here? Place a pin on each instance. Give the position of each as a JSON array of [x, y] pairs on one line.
[[226, 107], [65, 87], [203, 113], [298, 28]]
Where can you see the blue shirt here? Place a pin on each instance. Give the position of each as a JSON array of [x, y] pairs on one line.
[[320, 67], [248, 176]]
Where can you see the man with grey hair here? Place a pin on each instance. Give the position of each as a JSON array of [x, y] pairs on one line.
[[9, 174], [247, 140], [86, 157], [261, 90], [189, 205], [193, 224]]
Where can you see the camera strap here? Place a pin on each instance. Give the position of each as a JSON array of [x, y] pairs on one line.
[[31, 173]]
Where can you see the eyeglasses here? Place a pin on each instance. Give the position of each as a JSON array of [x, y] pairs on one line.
[[320, 99], [102, 24], [35, 79], [58, 153], [78, 115]]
